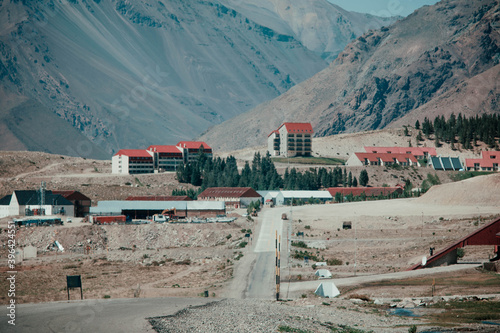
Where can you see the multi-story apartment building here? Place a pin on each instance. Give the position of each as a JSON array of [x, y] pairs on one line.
[[191, 149], [166, 158], [291, 139], [157, 158], [132, 161]]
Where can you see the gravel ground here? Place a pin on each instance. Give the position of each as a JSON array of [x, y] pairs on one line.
[[232, 315]]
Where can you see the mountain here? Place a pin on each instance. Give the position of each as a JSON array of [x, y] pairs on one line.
[[440, 59], [114, 74]]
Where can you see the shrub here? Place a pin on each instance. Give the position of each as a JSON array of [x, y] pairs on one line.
[[334, 262], [301, 244]]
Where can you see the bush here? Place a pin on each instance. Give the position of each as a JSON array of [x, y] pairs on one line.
[[301, 244], [333, 262], [242, 244]]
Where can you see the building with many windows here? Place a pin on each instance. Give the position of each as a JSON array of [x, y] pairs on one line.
[[191, 149], [132, 161], [490, 161], [291, 139], [157, 158]]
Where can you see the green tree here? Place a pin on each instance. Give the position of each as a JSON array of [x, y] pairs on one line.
[[363, 178], [354, 182]]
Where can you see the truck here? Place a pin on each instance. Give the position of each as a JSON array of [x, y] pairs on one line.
[[98, 219], [160, 218]]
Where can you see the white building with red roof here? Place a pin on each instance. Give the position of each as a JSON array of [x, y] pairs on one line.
[[292, 139], [490, 161], [384, 159], [157, 158], [166, 158], [191, 149], [418, 152], [132, 161]]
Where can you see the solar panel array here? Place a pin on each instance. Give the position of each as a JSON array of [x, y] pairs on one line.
[[446, 163]]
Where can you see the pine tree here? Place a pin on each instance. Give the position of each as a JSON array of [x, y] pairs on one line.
[[417, 125], [363, 178]]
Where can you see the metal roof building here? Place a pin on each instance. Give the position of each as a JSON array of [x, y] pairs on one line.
[[143, 209], [305, 195]]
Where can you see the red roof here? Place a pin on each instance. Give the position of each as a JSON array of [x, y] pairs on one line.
[[133, 153], [160, 198], [165, 149], [298, 127], [487, 160], [275, 131], [193, 145], [469, 162], [386, 157], [492, 155], [368, 191], [229, 192], [417, 151], [72, 195]]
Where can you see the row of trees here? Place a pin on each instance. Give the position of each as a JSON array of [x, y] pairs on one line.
[[261, 174], [466, 131]]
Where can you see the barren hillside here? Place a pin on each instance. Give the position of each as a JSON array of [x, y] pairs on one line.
[[438, 60]]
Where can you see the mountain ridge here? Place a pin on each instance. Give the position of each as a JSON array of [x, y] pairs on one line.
[[130, 74], [386, 74]]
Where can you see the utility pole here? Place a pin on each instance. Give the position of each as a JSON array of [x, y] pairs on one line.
[[42, 196], [278, 250]]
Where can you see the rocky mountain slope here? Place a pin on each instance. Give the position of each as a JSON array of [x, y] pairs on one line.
[[120, 74], [440, 59]]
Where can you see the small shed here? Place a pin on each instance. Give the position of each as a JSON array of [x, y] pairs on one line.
[[327, 290], [323, 273]]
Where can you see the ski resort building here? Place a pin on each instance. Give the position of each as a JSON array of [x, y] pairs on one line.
[[291, 139], [132, 161], [157, 158], [489, 161], [234, 197], [418, 152], [384, 159]]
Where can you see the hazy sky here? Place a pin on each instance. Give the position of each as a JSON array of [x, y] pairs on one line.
[[383, 7]]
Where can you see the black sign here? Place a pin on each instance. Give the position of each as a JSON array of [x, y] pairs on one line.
[[74, 281]]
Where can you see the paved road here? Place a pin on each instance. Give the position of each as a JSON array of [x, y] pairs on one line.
[[110, 316], [255, 274]]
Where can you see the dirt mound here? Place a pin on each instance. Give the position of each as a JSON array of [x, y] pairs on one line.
[[477, 191]]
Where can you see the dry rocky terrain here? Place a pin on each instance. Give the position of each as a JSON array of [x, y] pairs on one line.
[[186, 260]]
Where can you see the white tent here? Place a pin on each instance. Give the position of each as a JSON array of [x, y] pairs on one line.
[[323, 273], [327, 289]]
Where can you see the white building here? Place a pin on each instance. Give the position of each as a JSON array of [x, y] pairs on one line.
[[274, 197], [132, 161], [157, 158], [293, 139], [322, 196], [28, 203]]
